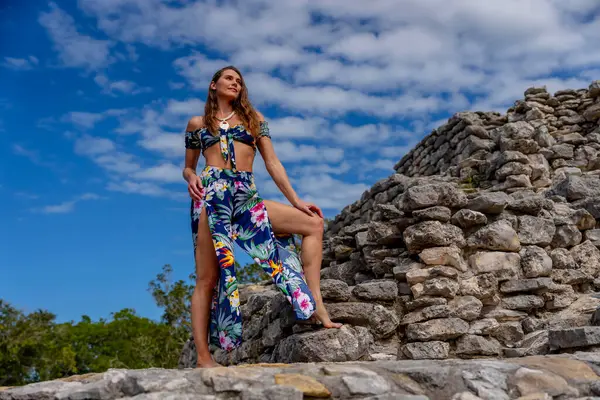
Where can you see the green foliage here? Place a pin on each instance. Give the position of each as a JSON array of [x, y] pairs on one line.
[[472, 181], [251, 273]]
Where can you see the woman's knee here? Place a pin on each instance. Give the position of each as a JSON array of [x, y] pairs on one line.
[[207, 281], [316, 226], [207, 274]]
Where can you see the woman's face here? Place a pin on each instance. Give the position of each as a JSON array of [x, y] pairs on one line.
[[228, 85]]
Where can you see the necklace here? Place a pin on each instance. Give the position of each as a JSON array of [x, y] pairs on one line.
[[224, 125]]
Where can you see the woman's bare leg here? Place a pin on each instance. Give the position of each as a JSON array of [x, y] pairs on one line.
[[207, 270], [287, 219]]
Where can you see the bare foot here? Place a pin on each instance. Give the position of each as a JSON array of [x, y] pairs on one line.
[[323, 317], [207, 363]]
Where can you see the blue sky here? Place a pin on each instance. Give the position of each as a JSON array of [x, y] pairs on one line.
[[95, 95]]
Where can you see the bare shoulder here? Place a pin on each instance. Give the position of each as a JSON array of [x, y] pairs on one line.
[[195, 123], [261, 117]]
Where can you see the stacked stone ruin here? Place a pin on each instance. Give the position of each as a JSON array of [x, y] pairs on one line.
[[484, 243]]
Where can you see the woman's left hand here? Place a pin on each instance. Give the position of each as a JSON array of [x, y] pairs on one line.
[[309, 208]]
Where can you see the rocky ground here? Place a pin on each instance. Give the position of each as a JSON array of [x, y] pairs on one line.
[[566, 376]]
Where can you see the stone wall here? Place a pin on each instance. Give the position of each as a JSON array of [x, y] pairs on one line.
[[494, 255], [568, 117], [540, 140]]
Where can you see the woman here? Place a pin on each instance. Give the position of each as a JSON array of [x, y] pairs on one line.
[[227, 207]]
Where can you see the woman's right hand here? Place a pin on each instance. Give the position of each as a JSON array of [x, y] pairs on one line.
[[195, 188]]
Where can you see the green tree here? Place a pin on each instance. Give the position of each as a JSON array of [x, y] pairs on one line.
[[251, 273]]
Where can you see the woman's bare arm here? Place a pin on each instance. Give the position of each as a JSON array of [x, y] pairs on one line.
[[192, 155]]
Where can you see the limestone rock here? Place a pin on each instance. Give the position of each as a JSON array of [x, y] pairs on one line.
[[437, 329], [450, 255], [502, 264], [465, 307], [344, 344], [489, 202], [423, 196], [538, 231], [434, 350], [470, 345], [432, 234], [587, 257], [332, 289], [440, 286], [574, 337], [498, 235], [436, 213], [468, 218], [376, 291], [535, 262]]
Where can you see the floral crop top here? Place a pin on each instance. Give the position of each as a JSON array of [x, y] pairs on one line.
[[203, 139]]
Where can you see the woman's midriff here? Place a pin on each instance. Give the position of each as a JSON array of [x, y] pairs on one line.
[[244, 157]]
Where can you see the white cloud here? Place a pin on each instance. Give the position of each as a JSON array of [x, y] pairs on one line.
[[198, 69], [83, 119], [121, 86], [167, 172], [74, 49], [398, 67], [66, 206], [288, 151], [20, 64], [92, 146], [187, 107], [168, 144], [319, 189], [143, 188]]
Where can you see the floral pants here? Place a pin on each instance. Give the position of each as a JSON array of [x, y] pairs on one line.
[[236, 213]]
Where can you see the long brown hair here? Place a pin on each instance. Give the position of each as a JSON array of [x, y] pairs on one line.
[[241, 105]]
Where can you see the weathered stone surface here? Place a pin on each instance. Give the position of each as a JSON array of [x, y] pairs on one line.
[[437, 329], [416, 276], [434, 350], [535, 262], [450, 255], [465, 307], [566, 236], [523, 302], [436, 213], [502, 264], [489, 202], [531, 381], [468, 218], [440, 286], [526, 285], [574, 337], [425, 301], [471, 345], [376, 291], [423, 196], [425, 314], [498, 235], [484, 287], [344, 344], [587, 257], [432, 234], [332, 289], [562, 259], [430, 372], [508, 333], [578, 187], [534, 343], [538, 231]]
